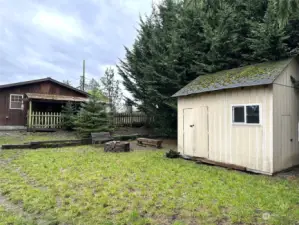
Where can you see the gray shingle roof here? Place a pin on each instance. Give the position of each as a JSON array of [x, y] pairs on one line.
[[253, 75]]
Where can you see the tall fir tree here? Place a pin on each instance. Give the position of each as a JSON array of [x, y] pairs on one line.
[[180, 41]]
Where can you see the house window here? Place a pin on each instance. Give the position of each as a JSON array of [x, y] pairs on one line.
[[246, 114], [16, 101]]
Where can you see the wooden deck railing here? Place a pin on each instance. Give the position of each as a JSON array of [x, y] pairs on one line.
[[44, 120], [52, 120]]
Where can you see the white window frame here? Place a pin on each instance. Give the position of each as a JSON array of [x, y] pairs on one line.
[[18, 95], [245, 117]]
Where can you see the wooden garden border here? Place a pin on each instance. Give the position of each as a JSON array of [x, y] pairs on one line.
[[48, 144], [63, 143]]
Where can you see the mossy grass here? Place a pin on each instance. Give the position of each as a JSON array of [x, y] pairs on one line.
[[8, 217], [84, 185]]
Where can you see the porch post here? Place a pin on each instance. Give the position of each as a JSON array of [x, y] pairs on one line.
[[29, 114]]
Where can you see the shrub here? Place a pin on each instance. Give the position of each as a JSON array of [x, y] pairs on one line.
[[172, 154], [92, 117], [68, 116]]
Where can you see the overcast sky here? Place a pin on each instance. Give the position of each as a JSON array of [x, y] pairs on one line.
[[50, 38]]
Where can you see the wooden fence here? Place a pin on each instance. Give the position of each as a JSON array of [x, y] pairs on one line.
[[51, 120], [130, 119], [44, 120]]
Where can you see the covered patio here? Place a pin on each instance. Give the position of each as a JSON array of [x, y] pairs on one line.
[[44, 110]]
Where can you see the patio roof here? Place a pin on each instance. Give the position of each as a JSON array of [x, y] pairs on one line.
[[49, 97]]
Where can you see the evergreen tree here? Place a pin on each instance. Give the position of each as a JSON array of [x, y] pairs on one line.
[[68, 116], [268, 40], [285, 9], [92, 117], [181, 40]]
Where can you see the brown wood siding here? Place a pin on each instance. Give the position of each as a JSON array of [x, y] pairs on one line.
[[14, 117]]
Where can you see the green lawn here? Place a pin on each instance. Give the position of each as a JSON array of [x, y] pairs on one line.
[[84, 185]]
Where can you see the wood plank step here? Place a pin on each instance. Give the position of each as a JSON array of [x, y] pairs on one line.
[[221, 164]]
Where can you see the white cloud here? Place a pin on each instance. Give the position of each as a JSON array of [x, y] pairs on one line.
[[137, 7], [58, 25], [52, 37], [32, 58]]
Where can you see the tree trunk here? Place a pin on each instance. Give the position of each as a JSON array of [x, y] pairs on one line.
[[117, 146]]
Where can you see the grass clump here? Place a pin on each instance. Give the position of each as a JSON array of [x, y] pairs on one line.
[[10, 218]]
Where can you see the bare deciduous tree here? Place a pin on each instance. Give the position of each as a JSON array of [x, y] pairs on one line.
[[111, 89]]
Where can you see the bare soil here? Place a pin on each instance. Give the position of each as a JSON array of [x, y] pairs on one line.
[[290, 174], [133, 130]]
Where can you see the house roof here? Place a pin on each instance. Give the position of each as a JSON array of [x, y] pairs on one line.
[[253, 75], [50, 97], [43, 80]]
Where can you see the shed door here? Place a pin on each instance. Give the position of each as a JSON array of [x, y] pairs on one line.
[[286, 128], [188, 132], [202, 133]]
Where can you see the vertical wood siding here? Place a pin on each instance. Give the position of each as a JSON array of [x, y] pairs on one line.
[[18, 117], [286, 152], [245, 145]]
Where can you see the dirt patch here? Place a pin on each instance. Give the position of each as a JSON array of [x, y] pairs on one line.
[[144, 131], [290, 174], [133, 130]]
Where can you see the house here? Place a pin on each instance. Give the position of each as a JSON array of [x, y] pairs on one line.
[[246, 116], [36, 102]]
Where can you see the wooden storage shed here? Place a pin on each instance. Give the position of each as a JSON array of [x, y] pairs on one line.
[[246, 116]]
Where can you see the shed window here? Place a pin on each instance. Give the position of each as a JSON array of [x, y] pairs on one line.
[[246, 114], [252, 114], [238, 114], [16, 101]]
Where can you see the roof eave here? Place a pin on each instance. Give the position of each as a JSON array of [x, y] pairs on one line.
[[60, 98]]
